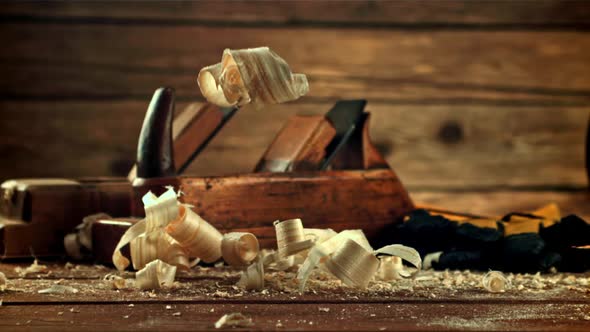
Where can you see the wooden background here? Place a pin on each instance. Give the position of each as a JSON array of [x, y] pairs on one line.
[[466, 95]]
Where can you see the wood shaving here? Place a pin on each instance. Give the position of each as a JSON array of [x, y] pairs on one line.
[[251, 75], [115, 282], [235, 319], [352, 264], [239, 249], [290, 237], [495, 282], [33, 268], [197, 237], [156, 274], [58, 289]]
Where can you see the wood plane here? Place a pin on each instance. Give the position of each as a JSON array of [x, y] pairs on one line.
[[36, 214], [322, 169]]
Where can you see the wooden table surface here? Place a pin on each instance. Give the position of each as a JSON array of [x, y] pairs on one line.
[[201, 297], [435, 301]]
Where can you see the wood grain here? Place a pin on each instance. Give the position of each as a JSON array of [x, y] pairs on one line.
[[521, 13], [345, 317], [339, 200], [428, 146], [424, 67]]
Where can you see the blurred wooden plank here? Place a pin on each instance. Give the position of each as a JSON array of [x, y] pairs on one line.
[[462, 146], [56, 61], [531, 316], [545, 12]]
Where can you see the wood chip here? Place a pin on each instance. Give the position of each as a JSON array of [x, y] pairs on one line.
[[58, 289], [33, 268], [235, 319]]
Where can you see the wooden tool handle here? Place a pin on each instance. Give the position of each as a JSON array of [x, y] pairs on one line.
[[299, 146], [360, 153]]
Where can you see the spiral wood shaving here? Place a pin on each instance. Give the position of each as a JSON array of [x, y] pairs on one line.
[[495, 282], [157, 245], [290, 237], [238, 248], [251, 75], [195, 235], [353, 264]]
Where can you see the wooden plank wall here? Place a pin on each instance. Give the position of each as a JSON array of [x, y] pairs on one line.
[[465, 94]]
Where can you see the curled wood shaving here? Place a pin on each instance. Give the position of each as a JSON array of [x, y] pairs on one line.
[[157, 245], [495, 282], [196, 235], [154, 275], [353, 264], [391, 268], [160, 210], [121, 262], [406, 253], [320, 252], [251, 75], [58, 289], [290, 237], [239, 249], [33, 268], [234, 319], [147, 238]]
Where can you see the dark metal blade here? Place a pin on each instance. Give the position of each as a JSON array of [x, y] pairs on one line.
[[346, 117], [227, 114]]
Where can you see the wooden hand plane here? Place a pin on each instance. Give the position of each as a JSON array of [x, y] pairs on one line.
[[322, 169]]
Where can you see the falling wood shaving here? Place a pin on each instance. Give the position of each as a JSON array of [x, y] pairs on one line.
[[58, 289], [251, 75], [154, 275], [235, 319], [33, 268]]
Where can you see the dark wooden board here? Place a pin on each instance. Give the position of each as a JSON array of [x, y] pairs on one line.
[[205, 294], [356, 13], [461, 146], [348, 317]]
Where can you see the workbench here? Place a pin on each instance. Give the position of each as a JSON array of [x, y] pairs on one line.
[[443, 300], [479, 107]]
